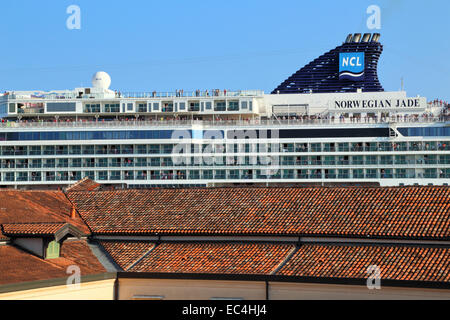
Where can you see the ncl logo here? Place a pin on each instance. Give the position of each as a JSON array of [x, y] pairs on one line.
[[351, 66]]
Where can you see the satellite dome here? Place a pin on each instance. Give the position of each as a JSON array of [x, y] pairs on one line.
[[101, 80]]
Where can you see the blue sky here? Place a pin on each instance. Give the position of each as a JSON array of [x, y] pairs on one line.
[[174, 44]]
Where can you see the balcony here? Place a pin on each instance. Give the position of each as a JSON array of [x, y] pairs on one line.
[[36, 178], [75, 177], [141, 176], [358, 148], [20, 153], [89, 165], [233, 123], [62, 152], [129, 176], [316, 148]]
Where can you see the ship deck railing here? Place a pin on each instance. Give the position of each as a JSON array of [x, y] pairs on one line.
[[25, 124], [131, 95]]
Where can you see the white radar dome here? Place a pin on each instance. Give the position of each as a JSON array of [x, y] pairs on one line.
[[101, 80]]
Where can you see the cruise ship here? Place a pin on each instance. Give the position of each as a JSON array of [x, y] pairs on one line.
[[330, 123]]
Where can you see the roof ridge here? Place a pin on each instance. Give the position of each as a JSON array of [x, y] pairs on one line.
[[132, 265], [34, 223], [28, 191], [265, 188], [286, 259]]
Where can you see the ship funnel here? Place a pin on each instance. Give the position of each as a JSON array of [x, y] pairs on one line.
[[356, 37], [375, 37], [349, 38], [366, 37]]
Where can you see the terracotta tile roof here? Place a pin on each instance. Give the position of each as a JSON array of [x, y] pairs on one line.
[[222, 258], [395, 212], [19, 266], [31, 228], [125, 253], [84, 184], [30, 208], [395, 262], [79, 252]]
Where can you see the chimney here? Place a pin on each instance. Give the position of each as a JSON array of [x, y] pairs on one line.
[[73, 212]]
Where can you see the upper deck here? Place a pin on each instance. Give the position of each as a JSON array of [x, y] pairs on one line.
[[209, 106], [443, 120], [87, 94], [318, 94], [91, 102]]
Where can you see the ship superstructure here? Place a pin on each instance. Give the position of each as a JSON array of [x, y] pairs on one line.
[[329, 123]]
